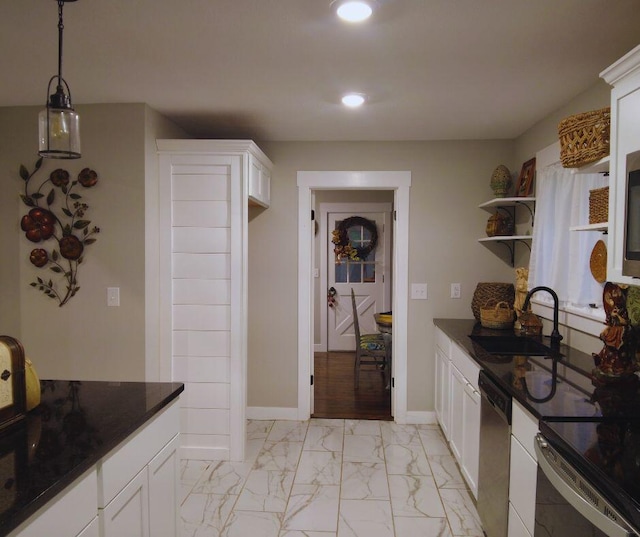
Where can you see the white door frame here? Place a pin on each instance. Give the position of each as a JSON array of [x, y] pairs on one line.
[[325, 209], [400, 183]]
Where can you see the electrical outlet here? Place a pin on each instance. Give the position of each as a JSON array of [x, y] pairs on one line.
[[419, 291], [455, 290]]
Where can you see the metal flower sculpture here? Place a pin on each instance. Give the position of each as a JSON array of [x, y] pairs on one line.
[[69, 231]]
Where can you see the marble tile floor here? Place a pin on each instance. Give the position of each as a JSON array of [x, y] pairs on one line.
[[331, 478]]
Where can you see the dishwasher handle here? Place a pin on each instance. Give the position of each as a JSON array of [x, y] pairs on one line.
[[579, 493]]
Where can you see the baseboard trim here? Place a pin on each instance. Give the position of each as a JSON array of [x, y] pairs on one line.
[[204, 454], [272, 413], [415, 417]]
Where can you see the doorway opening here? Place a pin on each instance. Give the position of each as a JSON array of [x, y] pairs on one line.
[[367, 216], [399, 182]]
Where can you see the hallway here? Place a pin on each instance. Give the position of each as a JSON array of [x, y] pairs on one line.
[[331, 478]]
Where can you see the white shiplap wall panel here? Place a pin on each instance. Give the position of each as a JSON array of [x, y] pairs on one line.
[[201, 311], [210, 369], [201, 317], [200, 214], [201, 240], [214, 185], [202, 266], [189, 291]]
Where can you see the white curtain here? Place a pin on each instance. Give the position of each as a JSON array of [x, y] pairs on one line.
[[560, 257]]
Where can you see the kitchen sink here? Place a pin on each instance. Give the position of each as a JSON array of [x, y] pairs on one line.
[[511, 345]]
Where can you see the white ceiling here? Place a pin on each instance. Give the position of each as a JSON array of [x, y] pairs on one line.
[[275, 69]]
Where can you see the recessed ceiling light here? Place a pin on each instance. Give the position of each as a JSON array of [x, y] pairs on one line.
[[353, 100], [353, 10]]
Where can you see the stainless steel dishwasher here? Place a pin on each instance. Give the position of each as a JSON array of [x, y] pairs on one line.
[[495, 448]]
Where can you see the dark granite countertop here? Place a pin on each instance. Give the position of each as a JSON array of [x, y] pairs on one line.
[[554, 389], [76, 424], [594, 426]]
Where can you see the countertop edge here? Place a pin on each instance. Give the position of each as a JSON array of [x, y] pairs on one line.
[[14, 521]]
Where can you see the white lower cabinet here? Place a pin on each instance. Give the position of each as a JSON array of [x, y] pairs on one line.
[[138, 481], [471, 437], [442, 363], [54, 520], [127, 515], [515, 527], [459, 382], [523, 473]]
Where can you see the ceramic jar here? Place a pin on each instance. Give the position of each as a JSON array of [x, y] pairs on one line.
[[500, 181]]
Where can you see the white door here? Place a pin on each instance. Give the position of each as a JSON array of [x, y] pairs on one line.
[[368, 275]]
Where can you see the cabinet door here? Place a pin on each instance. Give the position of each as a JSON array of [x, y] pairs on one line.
[[127, 515], [522, 484], [442, 391], [92, 530], [164, 482], [471, 437], [515, 527], [458, 382]]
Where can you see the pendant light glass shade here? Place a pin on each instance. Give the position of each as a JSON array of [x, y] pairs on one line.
[[58, 123], [59, 128]]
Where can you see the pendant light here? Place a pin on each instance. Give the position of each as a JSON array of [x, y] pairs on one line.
[[58, 123]]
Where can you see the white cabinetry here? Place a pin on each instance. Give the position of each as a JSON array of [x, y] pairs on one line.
[[443, 364], [132, 492], [259, 183], [205, 187], [53, 520], [465, 414], [624, 76], [522, 473], [138, 481], [458, 405]]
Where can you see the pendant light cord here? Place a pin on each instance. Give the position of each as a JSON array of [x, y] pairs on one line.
[[60, 33]]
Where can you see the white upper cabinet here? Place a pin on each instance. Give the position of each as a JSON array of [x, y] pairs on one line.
[[624, 76]]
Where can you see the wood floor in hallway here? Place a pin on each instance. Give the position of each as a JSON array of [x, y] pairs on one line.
[[335, 395]]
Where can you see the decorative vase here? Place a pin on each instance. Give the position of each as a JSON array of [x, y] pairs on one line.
[[500, 181]]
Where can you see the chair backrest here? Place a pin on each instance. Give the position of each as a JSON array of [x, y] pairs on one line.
[[356, 324]]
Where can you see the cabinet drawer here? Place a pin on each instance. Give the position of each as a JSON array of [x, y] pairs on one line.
[[523, 475], [524, 427], [443, 342], [126, 460], [465, 364], [53, 520], [515, 527]]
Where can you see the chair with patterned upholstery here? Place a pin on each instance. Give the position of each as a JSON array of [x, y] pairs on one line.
[[370, 348]]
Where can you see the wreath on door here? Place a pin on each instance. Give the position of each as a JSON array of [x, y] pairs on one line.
[[344, 247]]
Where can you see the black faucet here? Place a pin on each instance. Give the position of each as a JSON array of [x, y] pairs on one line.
[[555, 334]]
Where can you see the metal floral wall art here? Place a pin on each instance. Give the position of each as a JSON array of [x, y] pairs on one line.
[[56, 222]]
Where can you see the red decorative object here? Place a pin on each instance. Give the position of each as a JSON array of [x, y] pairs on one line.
[[65, 226]]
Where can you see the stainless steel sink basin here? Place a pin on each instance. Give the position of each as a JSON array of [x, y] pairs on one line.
[[509, 345]]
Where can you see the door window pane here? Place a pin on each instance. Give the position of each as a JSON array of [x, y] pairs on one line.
[[355, 272], [369, 272], [341, 271]]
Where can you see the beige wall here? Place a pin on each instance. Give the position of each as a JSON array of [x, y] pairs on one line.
[[84, 339], [449, 180]]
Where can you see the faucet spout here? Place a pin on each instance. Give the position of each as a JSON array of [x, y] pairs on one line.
[[555, 334]]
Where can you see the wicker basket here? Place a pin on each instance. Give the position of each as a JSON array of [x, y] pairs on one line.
[[485, 291], [584, 137], [599, 205], [497, 315]]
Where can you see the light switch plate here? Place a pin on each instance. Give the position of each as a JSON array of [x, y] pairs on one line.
[[113, 296], [419, 291]]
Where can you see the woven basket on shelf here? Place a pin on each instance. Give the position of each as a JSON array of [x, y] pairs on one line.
[[485, 291], [599, 205], [497, 315], [584, 137]]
